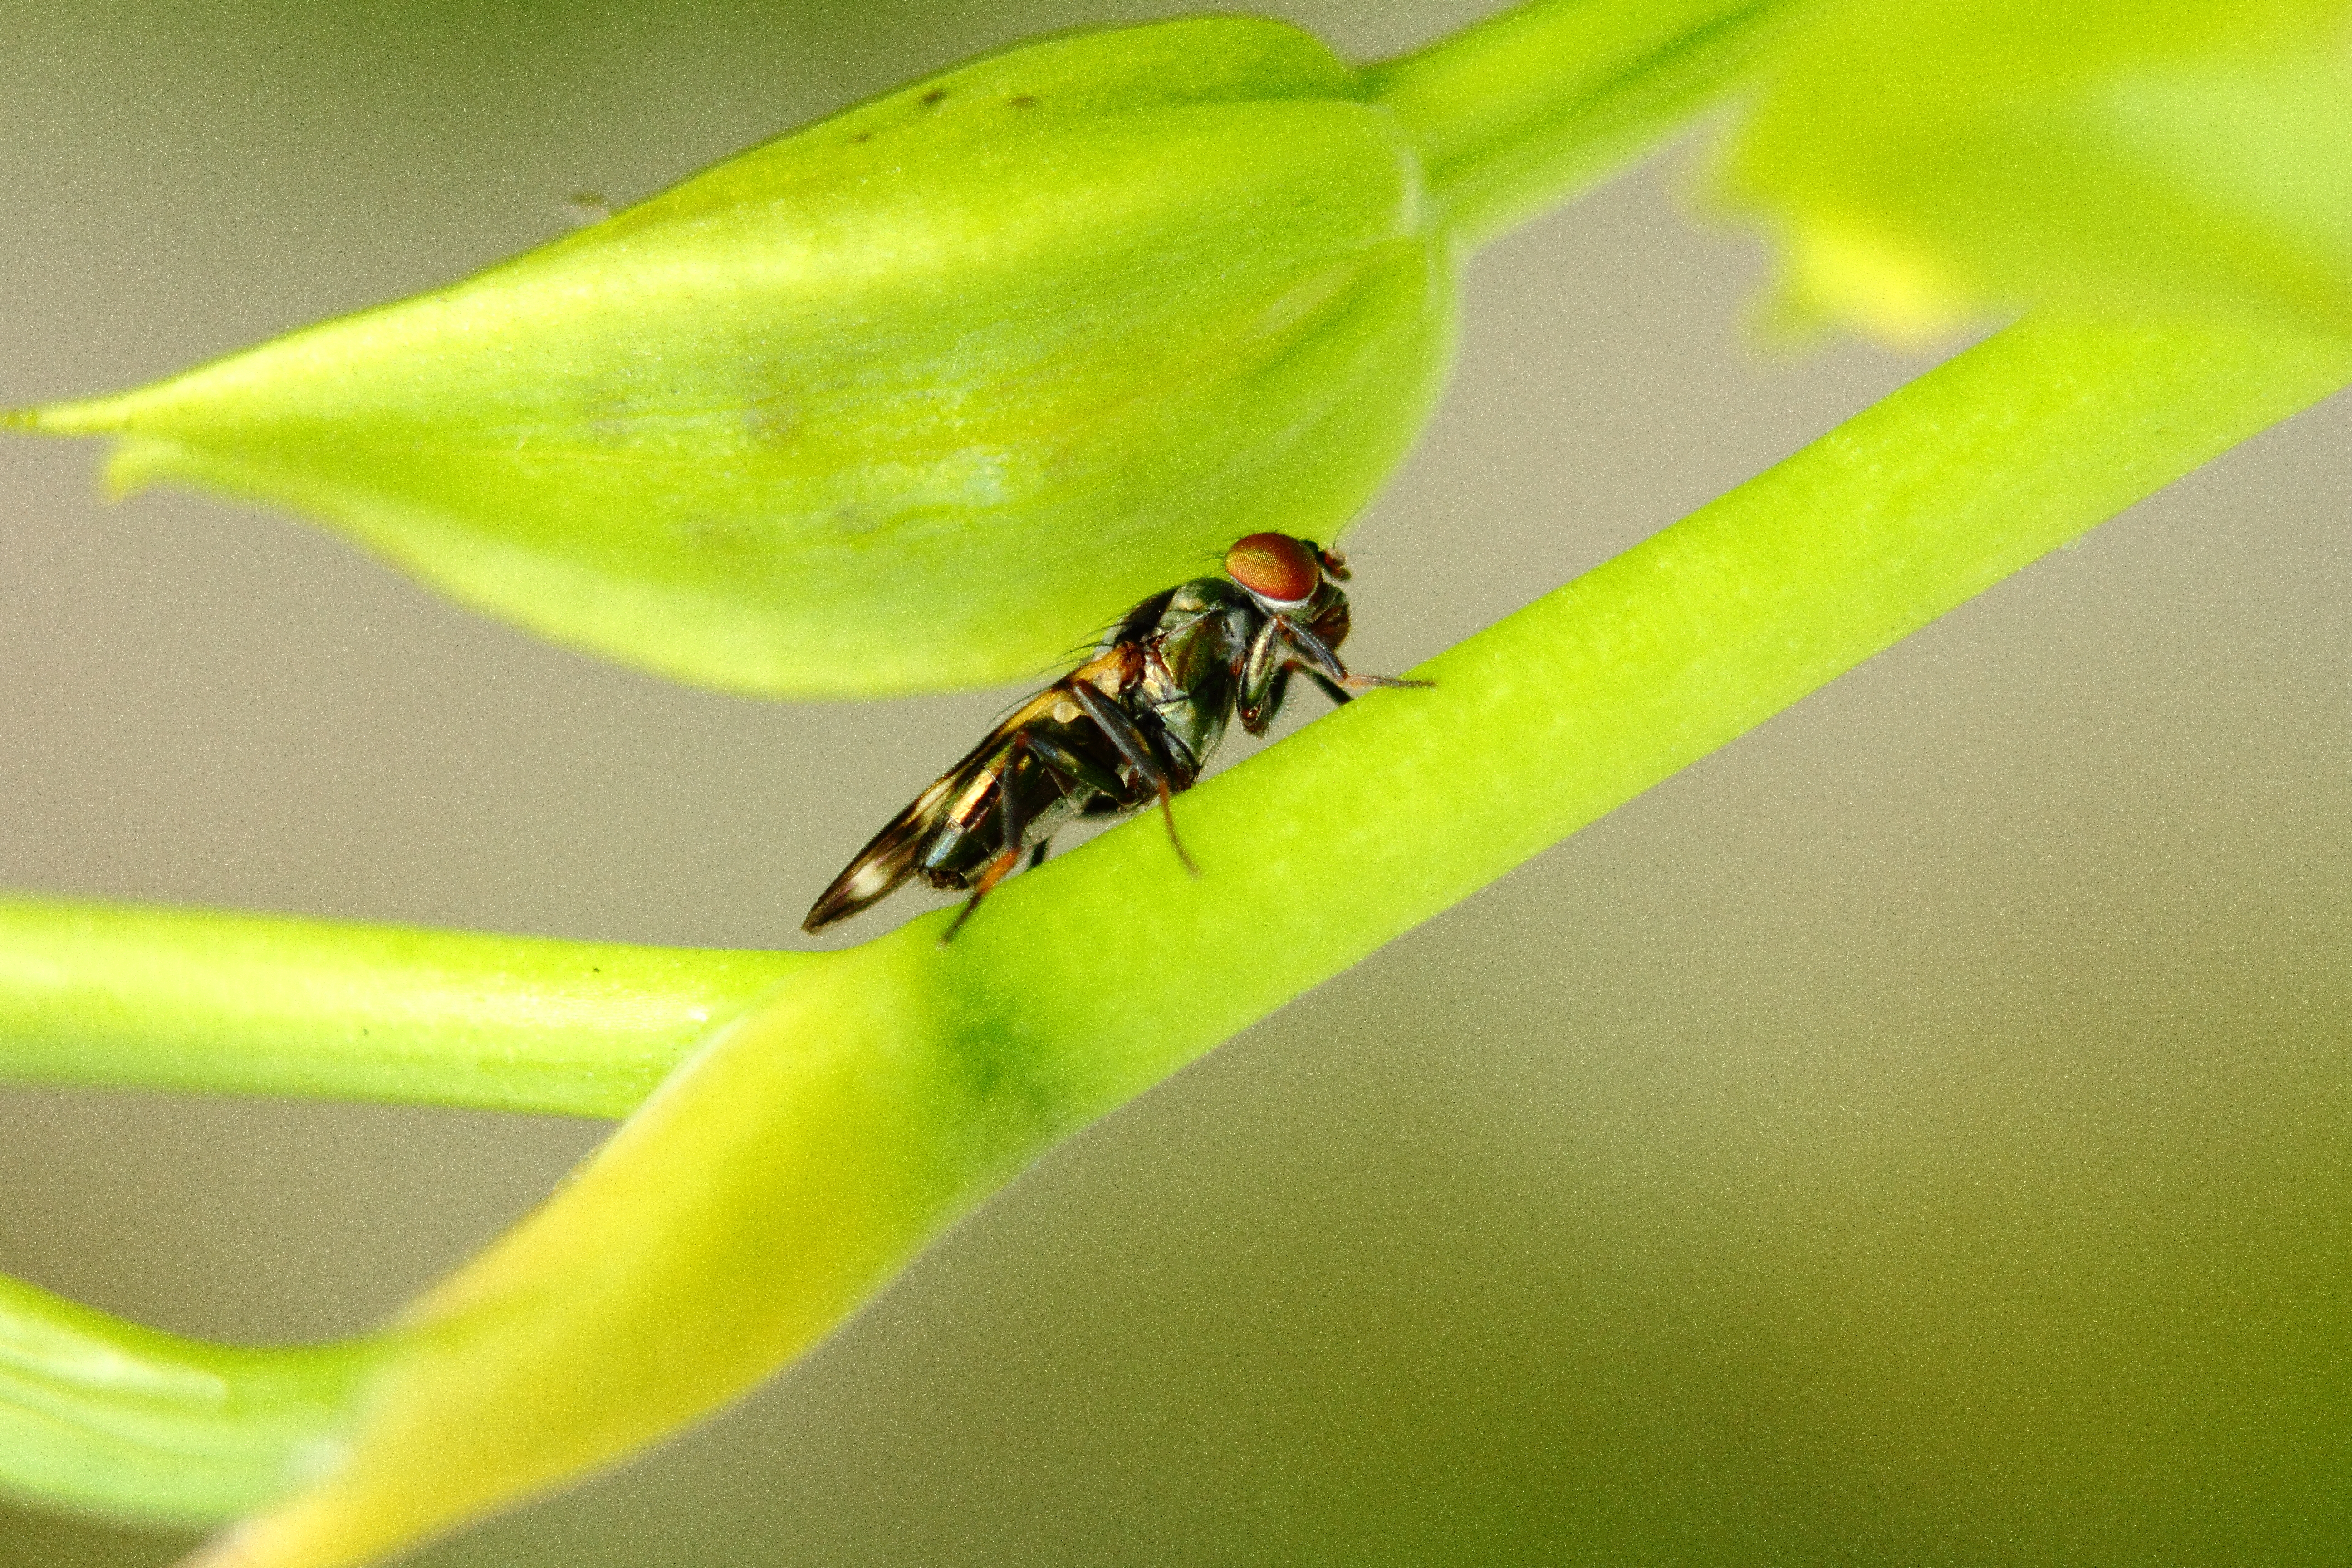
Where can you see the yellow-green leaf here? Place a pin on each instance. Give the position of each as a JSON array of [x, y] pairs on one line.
[[1921, 161]]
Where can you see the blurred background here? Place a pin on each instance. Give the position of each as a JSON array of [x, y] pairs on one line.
[[1921, 1133]]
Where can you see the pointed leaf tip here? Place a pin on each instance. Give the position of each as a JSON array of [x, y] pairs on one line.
[[913, 397], [89, 416]]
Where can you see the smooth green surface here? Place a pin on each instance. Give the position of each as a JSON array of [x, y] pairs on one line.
[[788, 1172], [266, 1005], [109, 1418], [1513, 116], [924, 394], [916, 397], [1921, 161]]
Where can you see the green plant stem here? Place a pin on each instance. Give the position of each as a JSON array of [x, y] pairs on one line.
[[1514, 115], [118, 1420], [193, 999], [857, 1104], [1518, 114], [789, 1171]]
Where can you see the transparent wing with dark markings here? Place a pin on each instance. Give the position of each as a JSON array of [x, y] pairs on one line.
[[883, 867]]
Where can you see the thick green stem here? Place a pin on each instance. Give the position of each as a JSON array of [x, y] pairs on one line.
[[1515, 116], [114, 1418], [1386, 812], [789, 1171], [190, 999]]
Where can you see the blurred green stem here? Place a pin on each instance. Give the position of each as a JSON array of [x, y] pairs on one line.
[[252, 1004], [124, 1420], [1519, 114]]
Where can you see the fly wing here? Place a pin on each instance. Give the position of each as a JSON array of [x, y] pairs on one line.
[[883, 866]]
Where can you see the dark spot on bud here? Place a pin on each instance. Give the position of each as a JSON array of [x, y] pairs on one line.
[[863, 136], [1024, 101], [769, 421], [936, 94]]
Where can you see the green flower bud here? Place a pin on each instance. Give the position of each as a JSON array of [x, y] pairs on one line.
[[911, 397], [916, 396]]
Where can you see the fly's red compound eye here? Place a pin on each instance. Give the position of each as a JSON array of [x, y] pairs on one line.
[[1275, 567]]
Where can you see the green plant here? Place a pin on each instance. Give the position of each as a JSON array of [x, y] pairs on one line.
[[844, 1110]]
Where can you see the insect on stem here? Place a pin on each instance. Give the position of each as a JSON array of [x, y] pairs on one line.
[[1134, 723]]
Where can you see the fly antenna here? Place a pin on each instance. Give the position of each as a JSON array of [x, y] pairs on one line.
[[1349, 521]]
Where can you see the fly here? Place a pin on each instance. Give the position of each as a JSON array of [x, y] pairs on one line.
[[1135, 724]]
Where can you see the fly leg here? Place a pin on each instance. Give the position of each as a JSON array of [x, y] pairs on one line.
[[1009, 817], [1264, 680], [1339, 695], [1136, 747], [1054, 758], [1283, 645], [1073, 768], [1321, 662], [1078, 769]]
